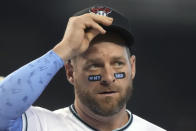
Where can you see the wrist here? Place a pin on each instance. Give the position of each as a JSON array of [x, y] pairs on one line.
[[62, 52]]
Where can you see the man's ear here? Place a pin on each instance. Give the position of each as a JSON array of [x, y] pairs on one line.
[[133, 66], [69, 72]]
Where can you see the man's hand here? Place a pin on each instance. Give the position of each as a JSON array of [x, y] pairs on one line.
[[79, 32]]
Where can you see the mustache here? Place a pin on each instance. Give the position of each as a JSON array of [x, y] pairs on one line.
[[109, 88]]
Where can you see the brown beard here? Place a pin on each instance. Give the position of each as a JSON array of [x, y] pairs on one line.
[[111, 106]]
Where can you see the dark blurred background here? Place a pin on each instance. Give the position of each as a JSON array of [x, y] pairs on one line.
[[165, 30]]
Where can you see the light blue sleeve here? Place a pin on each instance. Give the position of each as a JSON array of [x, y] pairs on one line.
[[20, 89]]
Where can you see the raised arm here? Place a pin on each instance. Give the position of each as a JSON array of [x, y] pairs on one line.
[[20, 89]]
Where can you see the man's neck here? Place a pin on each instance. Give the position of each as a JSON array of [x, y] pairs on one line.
[[101, 122]]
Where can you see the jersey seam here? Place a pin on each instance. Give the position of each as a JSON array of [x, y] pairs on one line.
[[24, 122], [73, 111]]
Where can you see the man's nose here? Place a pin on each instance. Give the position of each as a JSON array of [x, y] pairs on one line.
[[107, 76]]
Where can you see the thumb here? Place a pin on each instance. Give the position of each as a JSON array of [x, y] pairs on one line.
[[1, 78]]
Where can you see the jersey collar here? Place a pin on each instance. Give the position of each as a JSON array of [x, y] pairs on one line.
[[73, 111]]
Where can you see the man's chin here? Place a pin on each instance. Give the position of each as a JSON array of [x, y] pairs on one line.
[[107, 111], [108, 107]]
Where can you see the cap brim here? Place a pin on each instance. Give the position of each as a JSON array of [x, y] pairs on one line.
[[129, 38]]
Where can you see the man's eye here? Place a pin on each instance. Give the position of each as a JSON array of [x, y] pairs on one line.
[[118, 64], [93, 66]]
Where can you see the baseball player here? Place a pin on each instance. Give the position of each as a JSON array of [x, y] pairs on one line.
[[97, 53]]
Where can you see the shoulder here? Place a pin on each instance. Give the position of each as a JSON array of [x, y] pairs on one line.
[[62, 111], [144, 125], [42, 113], [38, 118]]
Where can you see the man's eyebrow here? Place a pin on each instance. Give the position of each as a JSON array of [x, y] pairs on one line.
[[96, 60], [118, 58]]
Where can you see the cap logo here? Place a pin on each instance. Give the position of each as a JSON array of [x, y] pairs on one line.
[[100, 10]]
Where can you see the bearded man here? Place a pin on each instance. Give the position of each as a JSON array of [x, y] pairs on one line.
[[97, 51]]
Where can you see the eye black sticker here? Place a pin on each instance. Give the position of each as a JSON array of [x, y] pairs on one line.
[[94, 78], [120, 75]]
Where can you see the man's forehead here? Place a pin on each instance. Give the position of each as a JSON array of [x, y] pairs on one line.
[[110, 44], [102, 59]]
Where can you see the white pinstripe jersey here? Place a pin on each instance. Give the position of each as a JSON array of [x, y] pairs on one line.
[[66, 119]]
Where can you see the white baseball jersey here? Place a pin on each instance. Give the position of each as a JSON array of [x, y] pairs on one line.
[[66, 119]]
